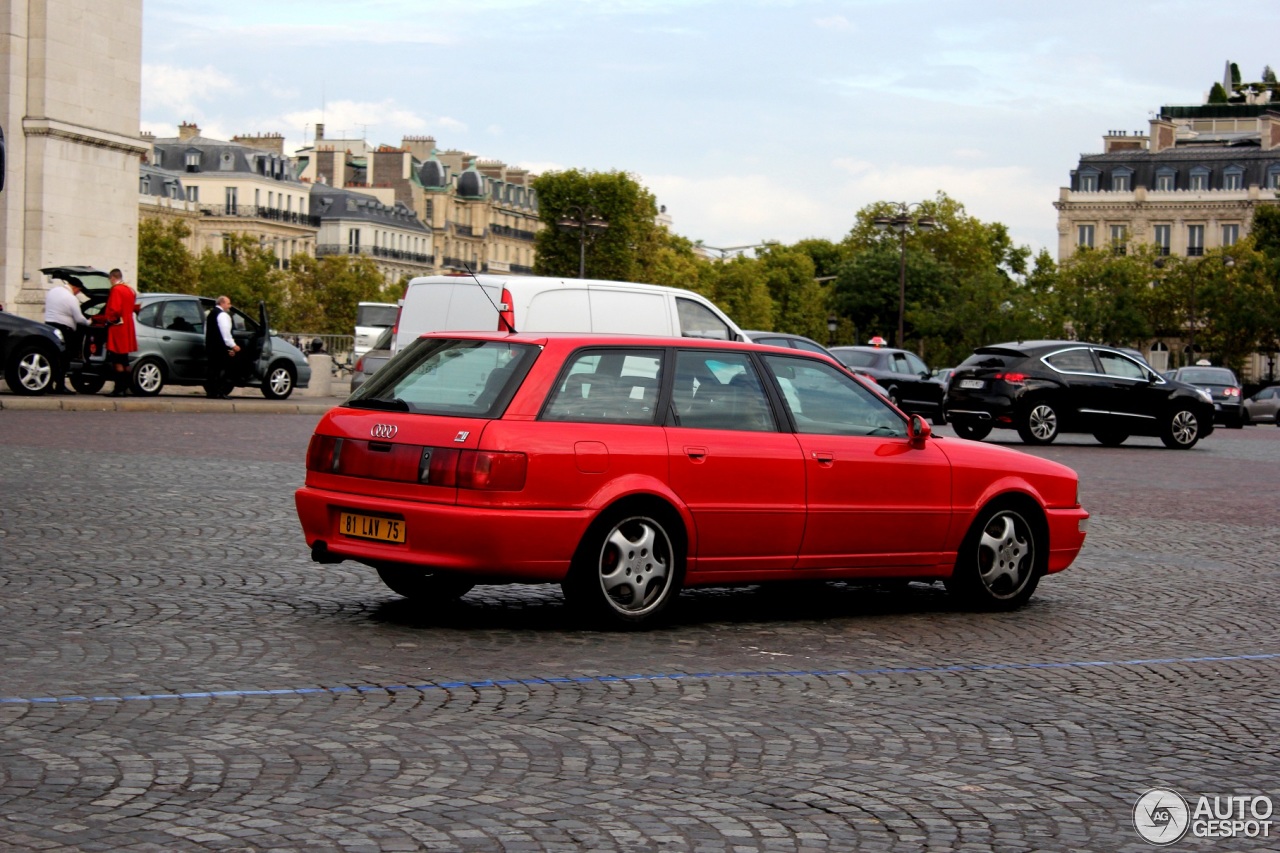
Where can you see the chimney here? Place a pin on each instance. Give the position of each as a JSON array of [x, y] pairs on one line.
[[188, 130], [1163, 134], [272, 143], [319, 131], [1269, 124]]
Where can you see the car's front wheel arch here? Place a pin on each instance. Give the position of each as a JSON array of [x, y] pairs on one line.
[[1009, 528]]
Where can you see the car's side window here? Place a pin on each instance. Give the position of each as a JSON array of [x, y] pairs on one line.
[[698, 321], [1114, 364], [608, 386], [720, 390], [1075, 360], [915, 365], [807, 347], [149, 315], [827, 401], [182, 315]]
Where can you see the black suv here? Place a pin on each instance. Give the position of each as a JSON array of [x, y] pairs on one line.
[[905, 377], [1043, 388]]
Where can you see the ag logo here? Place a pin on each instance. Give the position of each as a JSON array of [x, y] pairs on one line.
[[1161, 816]]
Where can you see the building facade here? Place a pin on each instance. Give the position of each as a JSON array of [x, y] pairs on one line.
[[70, 99], [361, 225]]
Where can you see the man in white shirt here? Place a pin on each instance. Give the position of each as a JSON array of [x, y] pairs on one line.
[[220, 349], [62, 311]]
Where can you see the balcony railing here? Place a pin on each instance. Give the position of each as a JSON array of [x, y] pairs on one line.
[[514, 233], [326, 249], [249, 211]]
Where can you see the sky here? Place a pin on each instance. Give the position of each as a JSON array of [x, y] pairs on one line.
[[749, 120]]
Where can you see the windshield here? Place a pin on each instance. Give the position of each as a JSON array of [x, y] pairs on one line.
[[445, 376], [376, 315]]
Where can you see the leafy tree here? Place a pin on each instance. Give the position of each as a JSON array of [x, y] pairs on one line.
[[1218, 95], [165, 265], [826, 255], [1266, 229], [742, 292], [323, 293], [1235, 76], [799, 302], [1268, 76], [622, 250], [1102, 296], [866, 290], [1236, 305], [244, 271], [673, 263]]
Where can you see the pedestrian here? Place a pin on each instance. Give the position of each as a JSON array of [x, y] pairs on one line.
[[122, 337], [220, 349], [62, 312]]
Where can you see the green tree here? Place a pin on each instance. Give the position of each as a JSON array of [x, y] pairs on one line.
[[622, 250], [1236, 305], [826, 255], [322, 293], [165, 265], [244, 271], [742, 292], [1218, 95], [799, 302], [1102, 296]]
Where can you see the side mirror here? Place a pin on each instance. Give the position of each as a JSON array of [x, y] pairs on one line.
[[918, 429]]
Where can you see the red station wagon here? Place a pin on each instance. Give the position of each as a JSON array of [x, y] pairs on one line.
[[626, 468]]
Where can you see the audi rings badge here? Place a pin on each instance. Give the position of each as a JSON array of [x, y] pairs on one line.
[[384, 430]]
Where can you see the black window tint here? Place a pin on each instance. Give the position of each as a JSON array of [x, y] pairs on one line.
[[1072, 361], [182, 315], [1114, 364], [807, 346], [149, 315], [608, 386], [720, 390], [826, 401]]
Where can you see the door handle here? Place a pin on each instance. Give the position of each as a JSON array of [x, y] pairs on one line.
[[824, 458], [697, 454]]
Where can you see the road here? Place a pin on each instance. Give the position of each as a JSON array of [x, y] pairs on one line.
[[175, 674]]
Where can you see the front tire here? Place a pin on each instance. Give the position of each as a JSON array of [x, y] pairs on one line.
[[628, 568], [1181, 430], [424, 586], [1039, 423], [279, 382], [1000, 560], [971, 431], [31, 370], [148, 377]]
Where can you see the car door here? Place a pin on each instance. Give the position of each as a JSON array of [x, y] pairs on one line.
[[874, 498], [741, 477], [920, 393], [1135, 396], [1084, 398], [179, 335]]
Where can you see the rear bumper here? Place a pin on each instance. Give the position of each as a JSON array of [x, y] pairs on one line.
[[501, 544]]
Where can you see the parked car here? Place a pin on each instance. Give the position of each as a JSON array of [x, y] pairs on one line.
[[31, 353], [1261, 407], [371, 319], [171, 350], [800, 342], [1222, 385], [904, 375], [625, 468], [1045, 388], [369, 363], [943, 376]]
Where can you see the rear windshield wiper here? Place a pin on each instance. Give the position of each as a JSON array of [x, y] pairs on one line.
[[395, 404]]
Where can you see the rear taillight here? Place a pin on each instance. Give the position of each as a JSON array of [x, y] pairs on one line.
[[359, 368], [492, 470], [1011, 378], [324, 453], [506, 313], [1232, 392]]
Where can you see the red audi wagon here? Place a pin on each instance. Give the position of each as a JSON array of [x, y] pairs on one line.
[[626, 468]]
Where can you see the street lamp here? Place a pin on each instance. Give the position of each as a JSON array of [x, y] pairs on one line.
[[588, 224], [900, 223]]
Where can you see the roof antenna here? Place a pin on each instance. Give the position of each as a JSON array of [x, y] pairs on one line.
[[501, 315]]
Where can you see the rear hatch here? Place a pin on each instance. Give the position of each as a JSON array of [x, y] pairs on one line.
[[980, 371]]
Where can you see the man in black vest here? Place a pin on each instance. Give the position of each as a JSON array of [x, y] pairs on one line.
[[220, 349]]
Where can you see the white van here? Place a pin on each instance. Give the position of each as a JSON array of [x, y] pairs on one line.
[[538, 304], [371, 319]]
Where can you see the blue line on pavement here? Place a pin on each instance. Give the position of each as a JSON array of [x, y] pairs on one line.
[[614, 679]]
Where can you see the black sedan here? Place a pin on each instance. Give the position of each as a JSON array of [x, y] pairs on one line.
[[905, 377], [1222, 385], [1044, 388], [31, 353]]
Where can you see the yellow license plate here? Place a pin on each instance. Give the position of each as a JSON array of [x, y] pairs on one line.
[[371, 527]]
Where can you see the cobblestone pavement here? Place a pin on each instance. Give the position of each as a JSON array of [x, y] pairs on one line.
[[175, 674]]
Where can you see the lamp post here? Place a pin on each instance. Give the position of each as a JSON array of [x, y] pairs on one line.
[[900, 223], [588, 224]]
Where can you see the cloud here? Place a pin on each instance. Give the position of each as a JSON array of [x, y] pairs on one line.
[[836, 23], [179, 90]]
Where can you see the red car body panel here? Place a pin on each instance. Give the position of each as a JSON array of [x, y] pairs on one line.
[[754, 505]]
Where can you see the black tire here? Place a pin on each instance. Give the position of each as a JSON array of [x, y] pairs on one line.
[[1181, 429], [973, 432], [424, 586], [1236, 423], [1111, 439], [32, 369], [1245, 418], [87, 383], [148, 377], [1038, 423], [1001, 558], [628, 568], [894, 397], [279, 382]]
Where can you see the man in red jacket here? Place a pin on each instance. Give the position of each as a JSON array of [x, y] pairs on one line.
[[122, 337]]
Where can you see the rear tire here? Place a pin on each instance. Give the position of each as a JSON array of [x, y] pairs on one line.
[[148, 377], [1000, 561], [279, 381], [971, 432], [424, 586], [1038, 423], [1181, 430], [628, 568]]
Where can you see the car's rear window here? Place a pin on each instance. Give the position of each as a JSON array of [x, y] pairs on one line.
[[447, 376], [856, 358], [1209, 376], [376, 315], [988, 359]]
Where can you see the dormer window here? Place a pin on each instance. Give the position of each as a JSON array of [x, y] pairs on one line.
[[1200, 178], [1121, 179], [1273, 177], [144, 185], [1166, 179], [1088, 180], [1233, 178], [192, 160]]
